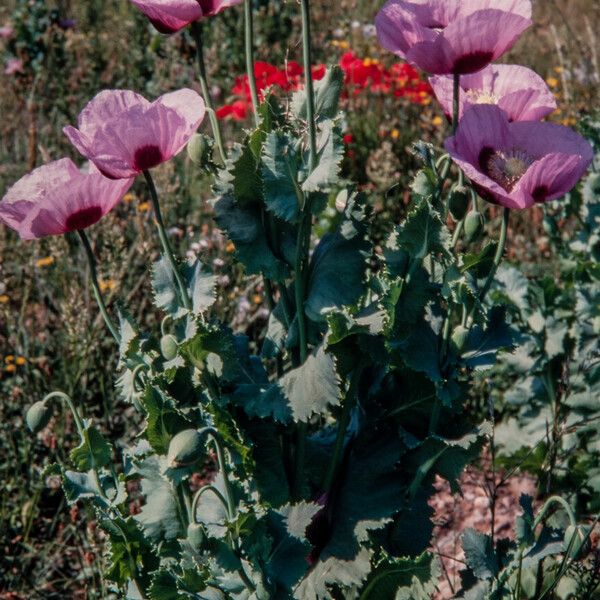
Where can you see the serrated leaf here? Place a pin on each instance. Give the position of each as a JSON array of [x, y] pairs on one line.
[[246, 230], [93, 453], [164, 587], [164, 286], [246, 175], [423, 233], [479, 554], [281, 164], [201, 286], [327, 95], [330, 153]]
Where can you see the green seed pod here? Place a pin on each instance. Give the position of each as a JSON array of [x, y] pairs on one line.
[[196, 536], [38, 416], [458, 341], [458, 204], [474, 226], [200, 149], [576, 537], [168, 346], [186, 448]]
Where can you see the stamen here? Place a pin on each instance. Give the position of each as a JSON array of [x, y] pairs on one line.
[[506, 168], [481, 97]]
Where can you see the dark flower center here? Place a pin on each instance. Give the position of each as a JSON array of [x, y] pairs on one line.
[[505, 167], [147, 157], [84, 218], [471, 63], [540, 193]]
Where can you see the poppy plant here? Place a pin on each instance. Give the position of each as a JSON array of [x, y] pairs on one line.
[[457, 37], [169, 16], [58, 198], [520, 92], [518, 164], [124, 134]]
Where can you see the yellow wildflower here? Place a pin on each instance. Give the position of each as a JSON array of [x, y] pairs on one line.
[[257, 298], [107, 285], [9, 359], [45, 262], [437, 121], [395, 134], [10, 369], [4, 299], [143, 206], [129, 197], [552, 82], [342, 44], [21, 360], [558, 70], [230, 247]]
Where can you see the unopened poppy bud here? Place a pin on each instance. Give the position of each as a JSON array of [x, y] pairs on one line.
[[186, 448], [38, 416], [474, 226], [168, 346], [458, 203], [576, 536], [458, 341], [196, 536], [200, 149]]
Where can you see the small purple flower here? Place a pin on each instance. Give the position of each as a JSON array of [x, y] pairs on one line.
[[6, 31], [518, 164], [522, 94], [124, 134], [445, 37], [169, 16], [13, 66], [58, 198]]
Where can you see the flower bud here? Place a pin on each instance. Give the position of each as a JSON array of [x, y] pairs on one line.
[[38, 416], [577, 537], [186, 448], [458, 341], [458, 204], [196, 536], [474, 226], [199, 149], [168, 346]]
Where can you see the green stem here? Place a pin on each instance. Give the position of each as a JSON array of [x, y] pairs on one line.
[[198, 496], [249, 39], [164, 240], [498, 257], [304, 234], [214, 122], [226, 483], [74, 411], [349, 404], [456, 103], [96, 287]]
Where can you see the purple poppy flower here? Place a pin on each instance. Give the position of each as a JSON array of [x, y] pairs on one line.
[[518, 164], [446, 37], [58, 198], [522, 94], [169, 16], [124, 134]]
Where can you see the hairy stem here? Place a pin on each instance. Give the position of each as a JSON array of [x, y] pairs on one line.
[[249, 39], [164, 240], [214, 122], [498, 257], [96, 287]]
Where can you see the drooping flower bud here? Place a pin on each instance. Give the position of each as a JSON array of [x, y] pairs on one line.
[[458, 341], [199, 149], [168, 346], [458, 203], [474, 226], [196, 536], [576, 536], [186, 448], [38, 416]]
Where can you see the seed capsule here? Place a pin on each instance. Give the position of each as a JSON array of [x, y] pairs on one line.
[[38, 416], [199, 149], [185, 448], [576, 537], [474, 226], [168, 346]]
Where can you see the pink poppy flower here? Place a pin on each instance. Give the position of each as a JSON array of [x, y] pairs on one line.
[[522, 94], [6, 31], [446, 37], [518, 164], [124, 134], [13, 66], [169, 16], [58, 198]]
